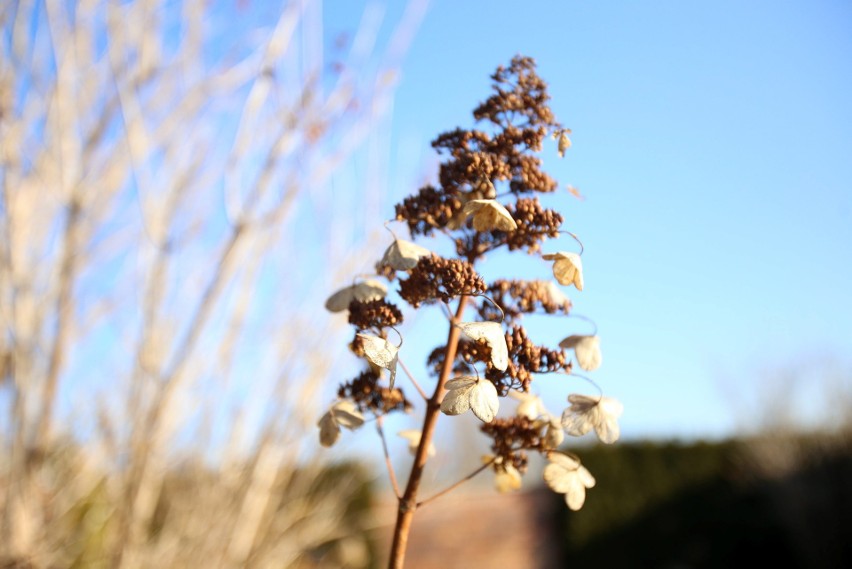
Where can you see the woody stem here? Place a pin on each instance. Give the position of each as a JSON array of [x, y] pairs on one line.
[[408, 501]]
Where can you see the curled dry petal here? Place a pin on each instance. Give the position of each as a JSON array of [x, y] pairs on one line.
[[489, 215], [403, 255], [587, 413], [381, 353], [413, 438], [554, 435], [564, 142], [587, 349], [364, 291], [567, 268], [566, 475], [483, 401], [492, 333]]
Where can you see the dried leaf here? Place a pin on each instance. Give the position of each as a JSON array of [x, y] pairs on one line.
[[489, 215], [587, 349], [382, 353], [403, 255], [492, 333], [567, 268]]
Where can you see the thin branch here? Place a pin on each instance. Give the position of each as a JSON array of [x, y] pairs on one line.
[[413, 381], [391, 472], [452, 487]]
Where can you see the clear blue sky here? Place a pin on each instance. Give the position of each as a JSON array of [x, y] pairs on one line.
[[713, 144]]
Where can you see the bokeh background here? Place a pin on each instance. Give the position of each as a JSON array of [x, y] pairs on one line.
[[184, 183]]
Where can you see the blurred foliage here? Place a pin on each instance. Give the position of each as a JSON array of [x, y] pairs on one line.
[[707, 505]]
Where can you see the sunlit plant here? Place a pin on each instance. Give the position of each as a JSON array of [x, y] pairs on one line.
[[485, 200]]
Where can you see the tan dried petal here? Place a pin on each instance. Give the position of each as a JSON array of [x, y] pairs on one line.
[[492, 333], [567, 268], [489, 215], [530, 405], [483, 401], [587, 349], [566, 475], [467, 392], [586, 413], [403, 255], [564, 143], [329, 430]]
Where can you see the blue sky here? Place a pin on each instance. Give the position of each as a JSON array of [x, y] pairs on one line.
[[713, 145]]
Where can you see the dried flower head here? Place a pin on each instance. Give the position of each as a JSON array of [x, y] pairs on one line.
[[369, 395], [343, 413], [567, 268], [566, 475], [473, 393], [587, 413], [374, 314]]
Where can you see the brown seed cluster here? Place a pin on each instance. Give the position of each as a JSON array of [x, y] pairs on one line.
[[511, 437], [525, 358], [436, 278], [518, 297], [519, 91], [428, 210], [370, 396], [374, 314], [535, 224]]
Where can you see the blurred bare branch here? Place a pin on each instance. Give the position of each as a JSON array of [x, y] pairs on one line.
[[153, 158]]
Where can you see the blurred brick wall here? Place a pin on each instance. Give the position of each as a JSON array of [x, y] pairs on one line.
[[479, 528]]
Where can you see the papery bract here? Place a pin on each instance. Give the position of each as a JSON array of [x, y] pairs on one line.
[[567, 268], [403, 255], [364, 291], [492, 333], [466, 392], [489, 215], [413, 437], [566, 475], [587, 349], [382, 353], [587, 413], [343, 413]]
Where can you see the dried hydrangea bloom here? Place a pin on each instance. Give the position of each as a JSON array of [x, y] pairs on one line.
[[587, 349], [403, 255], [489, 215], [343, 413], [473, 393], [381, 353], [492, 333], [567, 268], [566, 475], [413, 438], [587, 413], [364, 291]]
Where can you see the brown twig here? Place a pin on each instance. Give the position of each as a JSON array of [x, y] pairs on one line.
[[452, 487], [391, 472], [413, 381]]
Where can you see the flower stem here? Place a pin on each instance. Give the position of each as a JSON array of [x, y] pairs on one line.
[[408, 502]]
